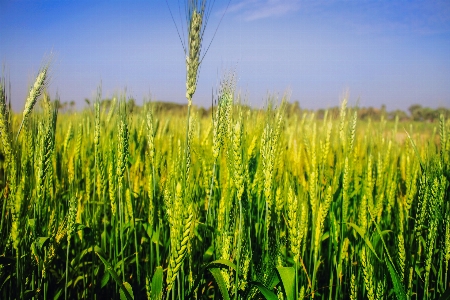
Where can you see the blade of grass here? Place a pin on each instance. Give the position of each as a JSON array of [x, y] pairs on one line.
[[124, 286]]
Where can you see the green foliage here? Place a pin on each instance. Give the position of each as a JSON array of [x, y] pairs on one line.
[[276, 203]]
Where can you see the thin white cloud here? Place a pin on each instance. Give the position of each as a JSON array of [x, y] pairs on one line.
[[366, 17], [240, 6], [252, 10]]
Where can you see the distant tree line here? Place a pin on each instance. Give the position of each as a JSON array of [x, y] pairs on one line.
[[416, 112]]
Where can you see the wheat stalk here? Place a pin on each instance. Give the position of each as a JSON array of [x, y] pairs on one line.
[[178, 252], [5, 134], [368, 273], [34, 93], [122, 151], [112, 184], [196, 14], [323, 211], [238, 163], [401, 256], [353, 288], [193, 59]]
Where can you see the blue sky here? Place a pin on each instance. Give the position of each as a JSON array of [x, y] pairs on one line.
[[395, 53]]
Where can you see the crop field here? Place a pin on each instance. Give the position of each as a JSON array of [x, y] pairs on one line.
[[119, 201], [241, 204]]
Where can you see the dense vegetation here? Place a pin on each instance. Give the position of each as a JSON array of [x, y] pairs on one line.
[[247, 204], [124, 202], [416, 112]]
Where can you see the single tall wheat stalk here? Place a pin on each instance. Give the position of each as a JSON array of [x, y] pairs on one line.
[[35, 91]]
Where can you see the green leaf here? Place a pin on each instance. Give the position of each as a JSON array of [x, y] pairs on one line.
[[155, 238], [325, 236], [197, 234], [28, 294], [366, 239], [105, 280], [148, 229], [268, 294], [78, 279], [419, 271], [157, 284], [222, 263], [208, 253], [416, 151], [82, 227], [75, 262], [5, 281], [287, 277], [31, 222], [220, 282], [398, 287], [257, 227], [211, 229], [127, 288], [42, 241], [58, 294], [109, 268], [274, 280], [384, 232]]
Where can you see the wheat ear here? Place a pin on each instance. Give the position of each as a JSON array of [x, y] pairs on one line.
[[33, 95], [194, 44], [177, 255]]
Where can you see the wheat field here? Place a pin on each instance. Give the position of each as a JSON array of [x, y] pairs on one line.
[[119, 201], [106, 203]]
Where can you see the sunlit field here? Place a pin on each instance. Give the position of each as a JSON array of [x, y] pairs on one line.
[[247, 204], [160, 201]]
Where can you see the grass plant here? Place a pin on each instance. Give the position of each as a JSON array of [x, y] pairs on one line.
[[270, 203], [250, 200]]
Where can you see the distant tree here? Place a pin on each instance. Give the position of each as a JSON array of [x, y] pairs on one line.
[[321, 114], [402, 116], [369, 113], [444, 111], [419, 113], [429, 114], [416, 112]]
